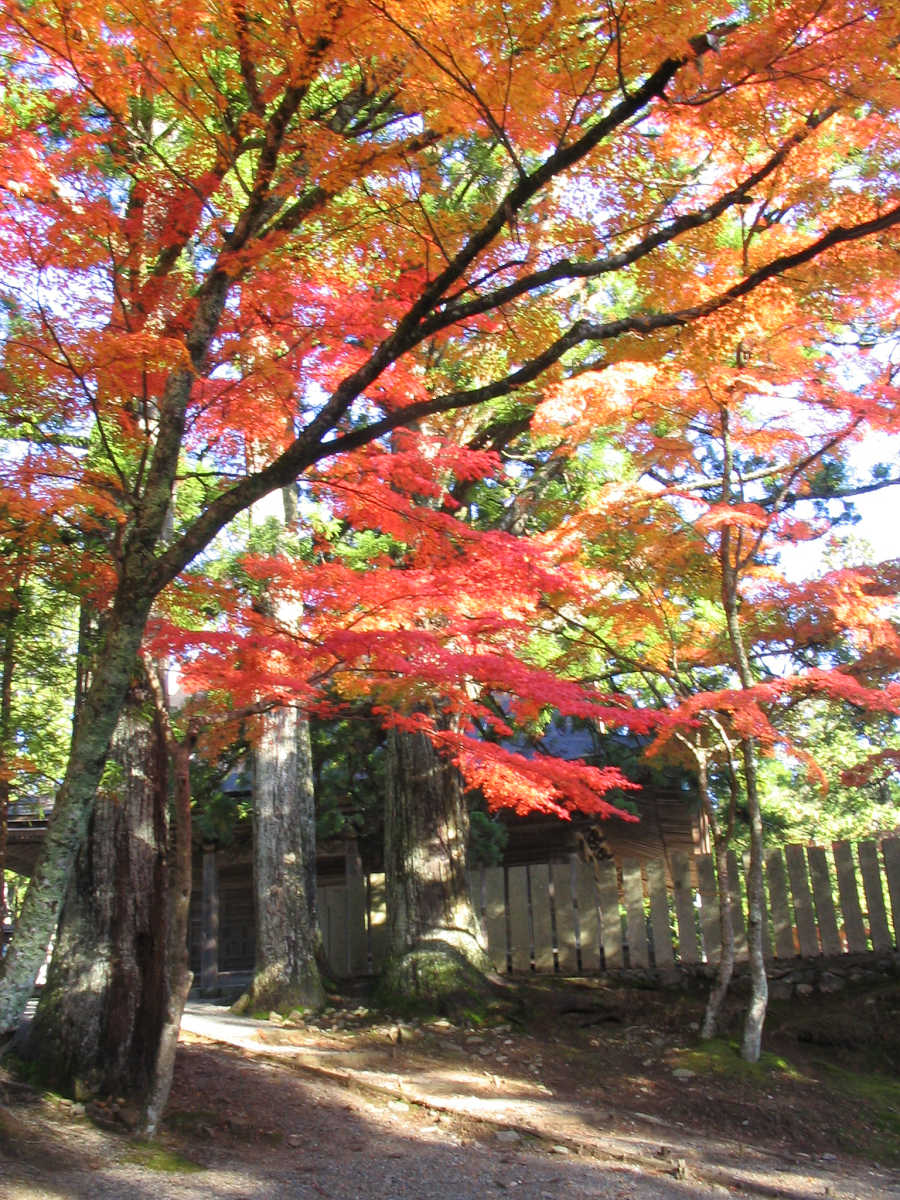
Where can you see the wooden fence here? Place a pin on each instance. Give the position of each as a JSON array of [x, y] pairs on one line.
[[567, 917]]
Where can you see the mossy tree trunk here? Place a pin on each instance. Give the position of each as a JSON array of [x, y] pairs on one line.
[[436, 950], [97, 1028]]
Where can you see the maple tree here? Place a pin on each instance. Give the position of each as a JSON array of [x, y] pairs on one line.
[[685, 594], [301, 228], [409, 622]]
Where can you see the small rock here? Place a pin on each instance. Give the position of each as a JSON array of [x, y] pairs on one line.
[[805, 989], [508, 1136], [684, 1073], [559, 1150], [295, 1139], [296, 1017], [831, 983], [276, 1018], [398, 1106]]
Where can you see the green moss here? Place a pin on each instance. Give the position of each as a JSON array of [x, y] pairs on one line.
[[721, 1057], [875, 1099], [157, 1158], [435, 979]]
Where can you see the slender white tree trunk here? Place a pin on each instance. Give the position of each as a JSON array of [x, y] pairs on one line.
[[759, 984]]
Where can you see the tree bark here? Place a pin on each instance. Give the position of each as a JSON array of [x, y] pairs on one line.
[[721, 838], [286, 974], [98, 1024], [7, 667], [178, 973], [731, 560], [759, 984], [68, 825], [436, 948]]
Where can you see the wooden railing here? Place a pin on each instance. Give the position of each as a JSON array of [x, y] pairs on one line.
[[573, 918]]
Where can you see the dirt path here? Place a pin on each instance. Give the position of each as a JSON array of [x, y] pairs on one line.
[[354, 1106]]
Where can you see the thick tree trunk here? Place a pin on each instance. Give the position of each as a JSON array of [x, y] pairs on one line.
[[436, 950], [178, 973], [68, 825], [287, 974], [98, 1024]]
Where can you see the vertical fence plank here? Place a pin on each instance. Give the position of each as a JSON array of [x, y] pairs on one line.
[[377, 923], [610, 920], [209, 944], [871, 873], [710, 922], [636, 925], [356, 921], [588, 925], [890, 848], [659, 914], [765, 932], [803, 910], [539, 887], [782, 925], [334, 902], [737, 908], [821, 885], [548, 913], [688, 951], [567, 951], [519, 930], [495, 916], [849, 897]]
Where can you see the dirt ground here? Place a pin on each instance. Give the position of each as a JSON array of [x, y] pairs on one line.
[[571, 1089]]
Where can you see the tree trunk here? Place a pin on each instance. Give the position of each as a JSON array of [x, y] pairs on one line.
[[178, 971], [759, 984], [7, 665], [721, 838], [725, 969], [732, 559], [99, 1020], [68, 825], [436, 950], [287, 974]]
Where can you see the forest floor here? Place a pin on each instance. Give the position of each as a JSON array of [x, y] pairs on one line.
[[577, 1088]]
